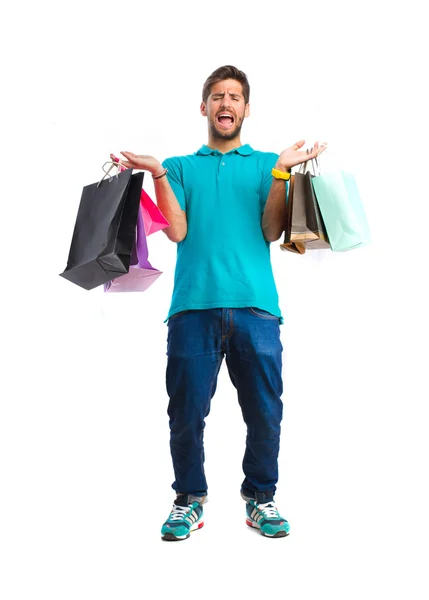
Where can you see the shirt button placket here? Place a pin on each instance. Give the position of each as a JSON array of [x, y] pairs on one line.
[[221, 165]]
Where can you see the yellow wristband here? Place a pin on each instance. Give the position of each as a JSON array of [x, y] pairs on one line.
[[280, 174]]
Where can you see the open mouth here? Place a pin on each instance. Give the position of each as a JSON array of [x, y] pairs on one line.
[[225, 120]]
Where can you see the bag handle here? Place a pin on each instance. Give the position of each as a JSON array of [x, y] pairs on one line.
[[112, 164], [303, 166], [315, 164]]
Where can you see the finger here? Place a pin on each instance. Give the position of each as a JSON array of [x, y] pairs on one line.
[[298, 145], [322, 148], [129, 154], [127, 163], [314, 151]]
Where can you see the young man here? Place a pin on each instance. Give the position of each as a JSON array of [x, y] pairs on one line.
[[226, 203]]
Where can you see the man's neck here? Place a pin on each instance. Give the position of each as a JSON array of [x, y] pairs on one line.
[[223, 146]]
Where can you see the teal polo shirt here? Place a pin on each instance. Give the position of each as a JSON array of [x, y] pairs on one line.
[[224, 261]]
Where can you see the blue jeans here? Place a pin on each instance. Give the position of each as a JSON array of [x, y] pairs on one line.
[[198, 340]]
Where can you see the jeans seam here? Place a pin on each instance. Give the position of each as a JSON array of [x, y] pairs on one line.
[[226, 336], [216, 375]]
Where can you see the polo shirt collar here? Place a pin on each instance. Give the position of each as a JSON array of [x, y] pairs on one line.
[[245, 150]]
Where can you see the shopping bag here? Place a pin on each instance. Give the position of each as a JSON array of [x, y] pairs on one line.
[[307, 226], [141, 274], [104, 232], [153, 218], [288, 245], [342, 210]]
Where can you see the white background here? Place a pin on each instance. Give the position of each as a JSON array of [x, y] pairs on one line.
[[85, 466]]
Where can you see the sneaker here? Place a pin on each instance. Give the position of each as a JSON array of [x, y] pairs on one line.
[[186, 516], [266, 518]]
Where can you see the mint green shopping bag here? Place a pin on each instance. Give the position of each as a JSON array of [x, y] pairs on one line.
[[342, 210]]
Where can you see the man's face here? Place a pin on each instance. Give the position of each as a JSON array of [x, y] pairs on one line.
[[225, 109]]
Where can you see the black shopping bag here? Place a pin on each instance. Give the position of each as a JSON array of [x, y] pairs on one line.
[[105, 230]]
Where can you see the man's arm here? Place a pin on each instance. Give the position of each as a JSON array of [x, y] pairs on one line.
[[274, 217], [170, 208]]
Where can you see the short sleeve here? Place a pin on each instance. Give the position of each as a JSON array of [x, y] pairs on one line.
[[267, 179], [175, 179]]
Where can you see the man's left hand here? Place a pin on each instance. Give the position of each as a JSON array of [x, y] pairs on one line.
[[294, 156]]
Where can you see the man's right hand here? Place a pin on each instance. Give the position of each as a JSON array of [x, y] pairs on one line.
[[143, 162]]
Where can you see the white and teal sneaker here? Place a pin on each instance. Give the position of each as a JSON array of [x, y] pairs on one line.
[[186, 516], [266, 518]]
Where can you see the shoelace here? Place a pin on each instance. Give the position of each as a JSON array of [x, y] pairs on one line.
[[269, 510], [178, 512]]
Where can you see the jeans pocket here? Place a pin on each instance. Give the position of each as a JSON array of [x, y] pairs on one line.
[[262, 314]]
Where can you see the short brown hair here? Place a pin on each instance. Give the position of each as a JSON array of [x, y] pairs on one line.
[[227, 72]]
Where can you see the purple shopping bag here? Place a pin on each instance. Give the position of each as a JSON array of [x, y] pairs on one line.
[[141, 274]]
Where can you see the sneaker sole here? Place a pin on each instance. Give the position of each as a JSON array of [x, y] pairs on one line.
[[279, 534], [170, 537]]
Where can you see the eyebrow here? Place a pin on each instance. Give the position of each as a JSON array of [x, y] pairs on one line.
[[223, 94]]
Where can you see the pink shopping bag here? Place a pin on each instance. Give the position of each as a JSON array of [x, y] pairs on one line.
[[153, 218]]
